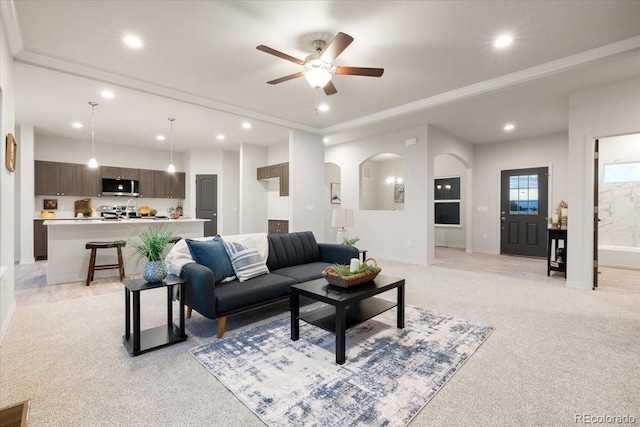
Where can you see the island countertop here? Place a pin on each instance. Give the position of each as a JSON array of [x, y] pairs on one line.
[[68, 259], [97, 221]]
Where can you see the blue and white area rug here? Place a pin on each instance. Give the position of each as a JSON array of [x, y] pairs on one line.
[[389, 376]]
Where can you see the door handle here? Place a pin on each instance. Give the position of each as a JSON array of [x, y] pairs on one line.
[[503, 218]]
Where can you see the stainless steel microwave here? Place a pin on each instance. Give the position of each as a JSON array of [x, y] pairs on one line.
[[120, 187]]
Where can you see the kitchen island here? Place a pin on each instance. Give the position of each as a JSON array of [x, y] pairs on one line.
[[68, 260]]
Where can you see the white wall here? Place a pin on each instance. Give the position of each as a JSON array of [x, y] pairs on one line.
[[490, 159], [277, 206], [605, 110], [229, 185], [7, 183], [331, 174], [399, 235], [306, 183], [447, 166], [25, 206], [253, 197]]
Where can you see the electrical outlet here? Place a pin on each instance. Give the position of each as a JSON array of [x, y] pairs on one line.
[[485, 236], [409, 242]]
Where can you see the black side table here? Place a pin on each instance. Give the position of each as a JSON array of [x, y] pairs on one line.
[[556, 261], [140, 342]]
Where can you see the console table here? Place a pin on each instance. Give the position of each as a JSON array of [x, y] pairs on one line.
[[139, 341], [554, 262]]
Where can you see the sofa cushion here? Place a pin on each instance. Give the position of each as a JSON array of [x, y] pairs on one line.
[[245, 259], [288, 250], [303, 273], [232, 296], [212, 254]]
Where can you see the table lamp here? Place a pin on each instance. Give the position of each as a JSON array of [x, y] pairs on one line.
[[342, 218]]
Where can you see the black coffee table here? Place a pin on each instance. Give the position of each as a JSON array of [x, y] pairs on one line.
[[347, 306]]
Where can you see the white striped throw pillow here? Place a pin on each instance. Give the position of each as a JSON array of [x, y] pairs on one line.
[[245, 259]]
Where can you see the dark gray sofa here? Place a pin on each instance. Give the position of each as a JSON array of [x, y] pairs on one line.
[[293, 258]]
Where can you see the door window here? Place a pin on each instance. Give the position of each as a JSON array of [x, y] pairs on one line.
[[523, 194]]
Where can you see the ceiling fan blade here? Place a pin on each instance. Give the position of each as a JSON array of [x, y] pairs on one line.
[[329, 88], [336, 47], [279, 54], [285, 78], [360, 71]]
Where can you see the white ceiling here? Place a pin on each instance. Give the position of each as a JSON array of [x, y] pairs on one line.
[[199, 65]]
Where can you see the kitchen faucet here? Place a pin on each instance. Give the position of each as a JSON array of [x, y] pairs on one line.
[[135, 205]]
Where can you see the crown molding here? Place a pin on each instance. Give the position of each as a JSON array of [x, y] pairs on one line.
[[10, 19], [512, 79], [82, 71]]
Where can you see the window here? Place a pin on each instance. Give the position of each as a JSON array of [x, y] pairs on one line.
[[523, 195], [447, 201], [622, 172]]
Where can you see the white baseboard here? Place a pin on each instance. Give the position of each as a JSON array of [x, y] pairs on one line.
[[27, 261]]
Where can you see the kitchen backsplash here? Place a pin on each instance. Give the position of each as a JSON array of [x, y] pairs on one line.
[[66, 204]]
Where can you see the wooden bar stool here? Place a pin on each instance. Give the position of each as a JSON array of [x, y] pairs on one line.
[[94, 246]]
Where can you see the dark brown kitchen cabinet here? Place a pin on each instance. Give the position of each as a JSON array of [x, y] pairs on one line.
[[58, 179], [278, 226], [175, 185], [284, 179], [147, 183], [91, 183], [268, 172], [160, 184], [120, 173], [39, 240], [169, 185]]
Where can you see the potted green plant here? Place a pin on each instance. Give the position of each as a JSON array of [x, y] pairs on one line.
[[350, 242], [150, 243], [87, 212]]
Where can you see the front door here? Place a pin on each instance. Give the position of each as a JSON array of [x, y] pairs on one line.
[[523, 212], [207, 202]]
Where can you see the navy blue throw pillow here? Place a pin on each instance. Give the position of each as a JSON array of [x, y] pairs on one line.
[[212, 254]]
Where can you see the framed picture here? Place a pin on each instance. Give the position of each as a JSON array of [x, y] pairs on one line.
[[398, 193], [335, 193], [50, 204], [11, 153]]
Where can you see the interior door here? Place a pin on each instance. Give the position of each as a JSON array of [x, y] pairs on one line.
[[207, 202], [524, 194]]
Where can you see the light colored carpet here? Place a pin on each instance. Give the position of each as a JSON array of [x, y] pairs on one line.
[[555, 353], [388, 376]]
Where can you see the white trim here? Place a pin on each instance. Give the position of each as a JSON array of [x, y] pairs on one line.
[[10, 18], [5, 322], [436, 225]]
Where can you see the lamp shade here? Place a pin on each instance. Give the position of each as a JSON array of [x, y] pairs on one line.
[[342, 218]]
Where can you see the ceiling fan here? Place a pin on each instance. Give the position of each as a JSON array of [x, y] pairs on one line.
[[319, 68]]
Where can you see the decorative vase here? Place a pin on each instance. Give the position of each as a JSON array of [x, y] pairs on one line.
[[154, 271]]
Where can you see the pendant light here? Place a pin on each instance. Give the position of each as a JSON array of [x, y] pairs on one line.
[[93, 163], [171, 168]]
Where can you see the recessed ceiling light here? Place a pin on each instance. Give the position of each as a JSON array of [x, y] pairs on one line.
[[160, 138], [107, 94], [509, 127], [323, 107], [503, 41], [246, 125], [325, 139], [132, 41], [77, 125], [220, 137]]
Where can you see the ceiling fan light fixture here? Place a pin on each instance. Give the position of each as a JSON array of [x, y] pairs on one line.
[[317, 77], [318, 73]]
